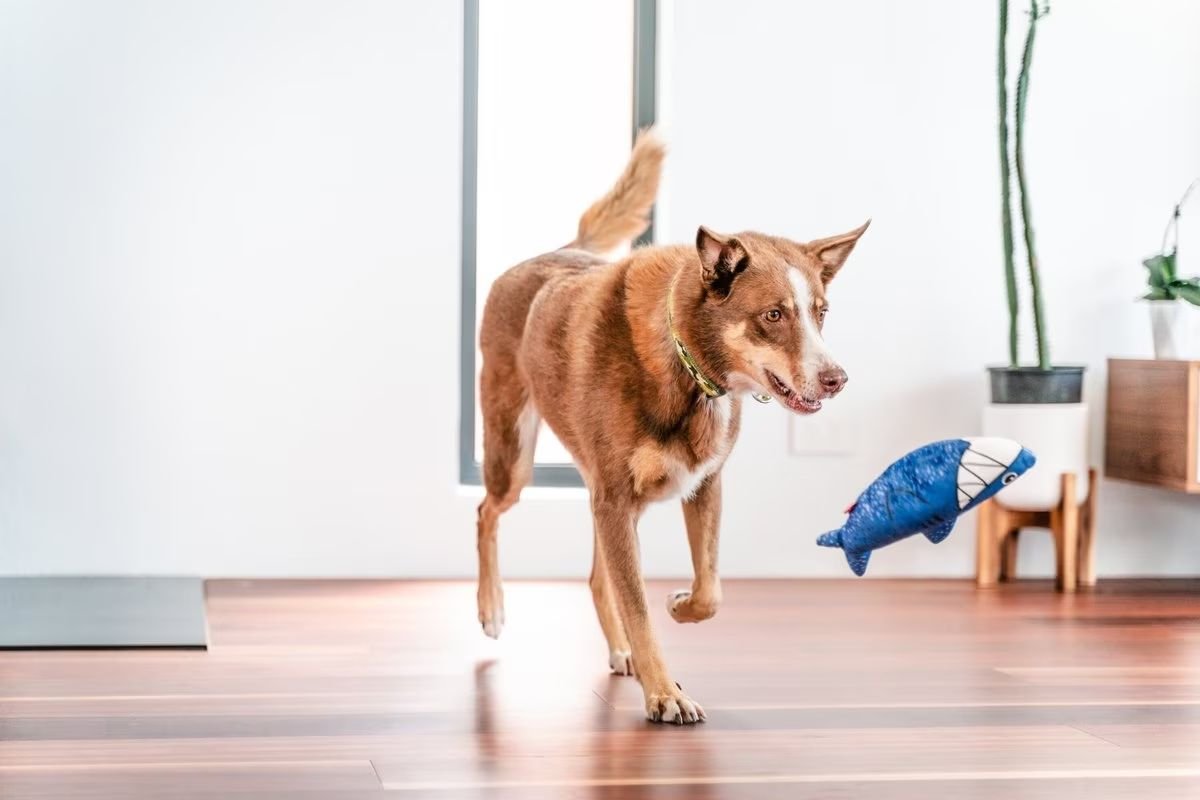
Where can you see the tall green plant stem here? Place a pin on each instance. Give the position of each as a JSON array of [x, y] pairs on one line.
[[1039, 317], [1006, 220]]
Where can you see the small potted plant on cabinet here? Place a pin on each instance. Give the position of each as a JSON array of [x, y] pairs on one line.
[[1174, 301]]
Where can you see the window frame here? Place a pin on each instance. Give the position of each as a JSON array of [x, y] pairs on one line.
[[645, 38]]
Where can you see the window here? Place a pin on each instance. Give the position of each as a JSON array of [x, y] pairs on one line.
[[552, 95]]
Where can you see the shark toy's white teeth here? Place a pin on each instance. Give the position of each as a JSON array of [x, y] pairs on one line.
[[973, 479], [992, 448], [985, 459]]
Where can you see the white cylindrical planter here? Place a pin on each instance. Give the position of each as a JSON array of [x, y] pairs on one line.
[[1057, 433], [1176, 327]]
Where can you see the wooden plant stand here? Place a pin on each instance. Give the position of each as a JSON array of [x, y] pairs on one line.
[[1072, 524]]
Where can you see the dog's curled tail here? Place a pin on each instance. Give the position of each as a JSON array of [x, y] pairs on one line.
[[624, 213]]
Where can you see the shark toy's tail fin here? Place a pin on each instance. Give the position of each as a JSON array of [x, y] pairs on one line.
[[857, 561], [830, 539]]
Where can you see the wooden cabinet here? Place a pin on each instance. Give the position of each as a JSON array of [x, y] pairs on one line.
[[1152, 425]]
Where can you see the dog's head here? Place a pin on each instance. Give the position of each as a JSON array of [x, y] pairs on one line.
[[762, 309]]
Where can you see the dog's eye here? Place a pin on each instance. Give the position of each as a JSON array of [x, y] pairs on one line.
[[821, 314], [774, 315]]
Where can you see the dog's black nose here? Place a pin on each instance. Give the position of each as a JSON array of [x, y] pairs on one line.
[[833, 379]]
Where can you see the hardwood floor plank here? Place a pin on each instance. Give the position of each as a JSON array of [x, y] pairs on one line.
[[1111, 788], [945, 781], [1173, 735], [792, 756], [220, 779], [362, 721], [1140, 675]]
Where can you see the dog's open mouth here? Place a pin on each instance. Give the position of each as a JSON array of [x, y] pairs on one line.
[[789, 397]]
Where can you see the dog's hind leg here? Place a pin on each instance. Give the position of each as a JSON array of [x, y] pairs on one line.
[[490, 593], [509, 437], [620, 659]]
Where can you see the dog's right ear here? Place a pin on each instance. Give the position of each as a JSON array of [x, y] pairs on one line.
[[722, 258]]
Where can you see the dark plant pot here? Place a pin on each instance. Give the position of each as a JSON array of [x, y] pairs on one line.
[[1034, 385]]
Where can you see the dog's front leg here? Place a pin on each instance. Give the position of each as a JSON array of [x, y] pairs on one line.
[[702, 515], [665, 700]]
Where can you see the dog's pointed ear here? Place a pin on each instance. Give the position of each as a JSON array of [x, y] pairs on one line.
[[832, 252], [722, 258]]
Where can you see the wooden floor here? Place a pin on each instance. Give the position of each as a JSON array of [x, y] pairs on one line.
[[823, 689]]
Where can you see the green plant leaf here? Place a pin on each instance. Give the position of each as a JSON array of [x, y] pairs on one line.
[[1161, 268], [1188, 290], [1157, 294]]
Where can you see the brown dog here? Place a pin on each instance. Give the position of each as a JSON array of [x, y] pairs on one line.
[[639, 367]]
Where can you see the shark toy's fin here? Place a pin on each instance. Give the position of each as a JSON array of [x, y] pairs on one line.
[[939, 532], [830, 539], [858, 562]]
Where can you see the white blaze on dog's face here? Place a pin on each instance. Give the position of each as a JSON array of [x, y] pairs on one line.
[[766, 295], [815, 359]]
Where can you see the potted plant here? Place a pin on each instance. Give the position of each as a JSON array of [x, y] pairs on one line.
[[1176, 324], [1039, 405]]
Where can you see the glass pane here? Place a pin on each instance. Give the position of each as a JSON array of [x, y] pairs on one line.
[[555, 121]]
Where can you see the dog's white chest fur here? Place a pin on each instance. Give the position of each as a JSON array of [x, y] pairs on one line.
[[689, 480], [664, 475]]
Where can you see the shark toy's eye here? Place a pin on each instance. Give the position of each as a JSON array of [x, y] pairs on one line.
[[1008, 478]]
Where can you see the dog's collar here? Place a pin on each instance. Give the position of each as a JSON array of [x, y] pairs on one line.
[[706, 384]]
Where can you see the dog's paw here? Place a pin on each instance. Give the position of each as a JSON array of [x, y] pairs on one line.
[[620, 662], [491, 610], [673, 706], [684, 608], [674, 599]]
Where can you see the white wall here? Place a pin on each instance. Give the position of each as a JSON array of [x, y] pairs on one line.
[[229, 253], [228, 316]]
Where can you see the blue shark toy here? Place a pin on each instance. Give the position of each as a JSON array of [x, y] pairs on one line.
[[924, 492]]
